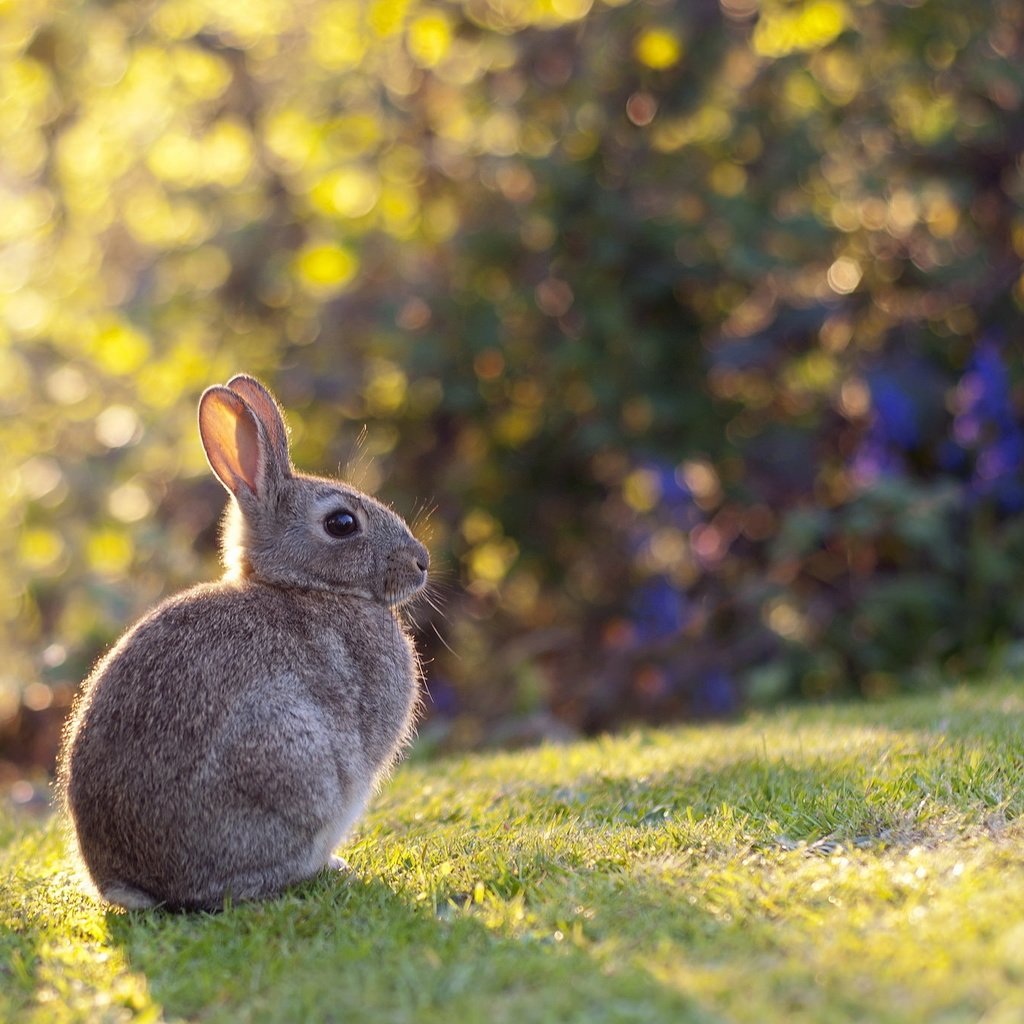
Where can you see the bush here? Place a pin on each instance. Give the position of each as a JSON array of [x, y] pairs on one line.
[[691, 323]]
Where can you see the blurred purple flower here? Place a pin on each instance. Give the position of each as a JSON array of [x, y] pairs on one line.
[[986, 423], [674, 491], [952, 457], [984, 392], [1002, 456], [895, 415], [442, 696], [875, 459], [658, 610], [675, 503], [715, 695], [894, 428]]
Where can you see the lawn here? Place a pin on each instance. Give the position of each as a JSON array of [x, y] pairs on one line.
[[852, 863]]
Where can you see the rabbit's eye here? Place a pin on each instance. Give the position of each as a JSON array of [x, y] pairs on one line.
[[341, 523]]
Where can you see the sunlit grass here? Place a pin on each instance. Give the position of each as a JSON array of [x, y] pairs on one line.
[[862, 863]]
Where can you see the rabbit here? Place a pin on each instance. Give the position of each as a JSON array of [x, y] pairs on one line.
[[226, 745]]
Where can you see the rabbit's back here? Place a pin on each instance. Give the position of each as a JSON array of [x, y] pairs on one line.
[[226, 699], [170, 682]]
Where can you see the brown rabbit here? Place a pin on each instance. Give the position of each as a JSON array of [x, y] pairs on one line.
[[231, 738]]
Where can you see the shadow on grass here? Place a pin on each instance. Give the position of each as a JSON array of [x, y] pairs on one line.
[[894, 800], [356, 950]]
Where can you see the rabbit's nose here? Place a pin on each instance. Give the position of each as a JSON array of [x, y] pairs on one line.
[[422, 558]]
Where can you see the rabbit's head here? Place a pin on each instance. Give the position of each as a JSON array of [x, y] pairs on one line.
[[291, 529]]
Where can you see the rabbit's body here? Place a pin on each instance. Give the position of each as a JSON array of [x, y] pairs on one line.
[[231, 738]]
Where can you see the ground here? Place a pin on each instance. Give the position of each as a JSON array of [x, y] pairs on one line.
[[854, 863]]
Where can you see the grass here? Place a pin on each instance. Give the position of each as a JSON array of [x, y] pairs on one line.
[[855, 863]]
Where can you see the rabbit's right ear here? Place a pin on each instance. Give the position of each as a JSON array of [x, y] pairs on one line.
[[236, 444], [268, 412]]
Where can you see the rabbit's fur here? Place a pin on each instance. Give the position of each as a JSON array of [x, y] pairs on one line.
[[230, 739]]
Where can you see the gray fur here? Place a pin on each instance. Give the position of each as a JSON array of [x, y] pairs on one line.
[[228, 742]]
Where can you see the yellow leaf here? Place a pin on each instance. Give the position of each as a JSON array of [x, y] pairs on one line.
[[642, 489], [807, 27], [226, 153], [348, 192], [109, 552], [324, 268], [386, 17], [658, 48], [429, 38], [386, 389], [121, 349], [205, 75], [40, 549], [337, 39], [491, 561]]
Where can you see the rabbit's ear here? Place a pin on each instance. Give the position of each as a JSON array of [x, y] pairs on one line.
[[236, 446], [268, 412]]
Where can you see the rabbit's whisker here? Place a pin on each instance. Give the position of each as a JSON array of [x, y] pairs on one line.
[[451, 650], [437, 608], [421, 518]]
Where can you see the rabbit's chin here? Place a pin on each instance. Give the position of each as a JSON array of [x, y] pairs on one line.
[[396, 600]]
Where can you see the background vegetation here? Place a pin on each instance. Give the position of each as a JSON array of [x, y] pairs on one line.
[[695, 326]]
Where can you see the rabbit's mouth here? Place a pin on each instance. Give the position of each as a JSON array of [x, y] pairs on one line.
[[400, 595], [408, 576], [404, 586]]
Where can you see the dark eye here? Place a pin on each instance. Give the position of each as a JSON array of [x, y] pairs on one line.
[[341, 523]]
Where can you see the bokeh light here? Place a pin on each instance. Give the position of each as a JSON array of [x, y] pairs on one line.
[[696, 327]]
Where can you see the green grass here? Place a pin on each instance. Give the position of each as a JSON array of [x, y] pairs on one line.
[[860, 863]]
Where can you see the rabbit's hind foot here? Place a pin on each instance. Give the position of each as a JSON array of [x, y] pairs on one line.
[[128, 896]]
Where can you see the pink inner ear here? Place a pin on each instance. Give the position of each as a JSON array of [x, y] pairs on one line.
[[231, 438], [247, 447], [262, 403]]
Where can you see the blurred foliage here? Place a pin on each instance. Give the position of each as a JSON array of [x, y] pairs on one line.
[[695, 326]]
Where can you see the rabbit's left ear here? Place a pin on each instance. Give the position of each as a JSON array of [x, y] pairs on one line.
[[268, 412], [236, 444]]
